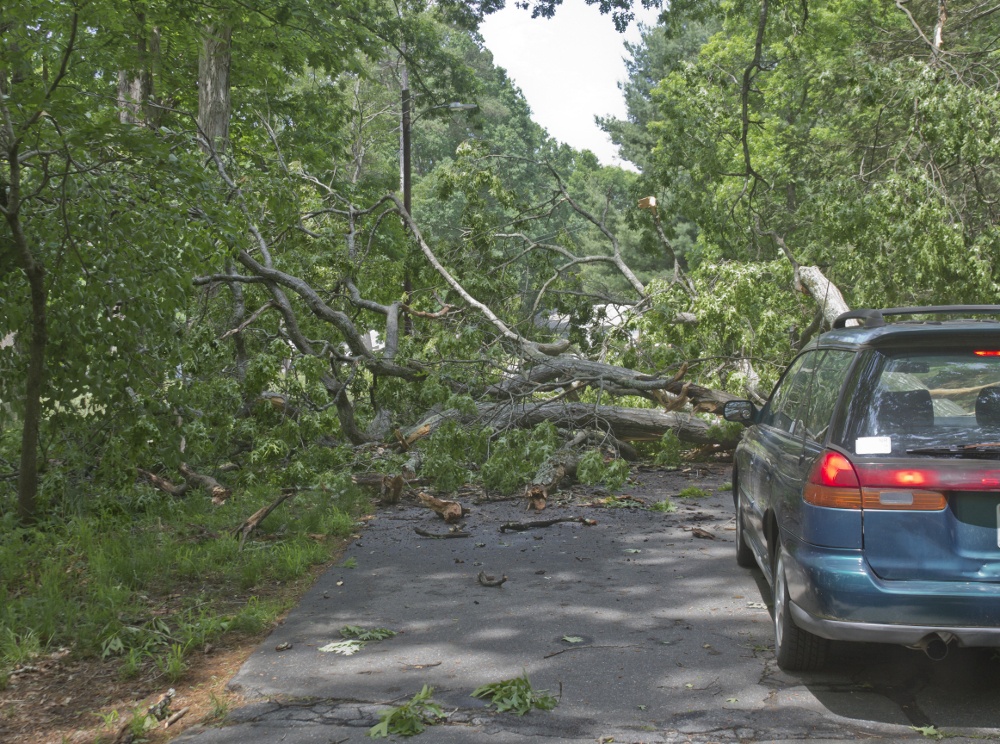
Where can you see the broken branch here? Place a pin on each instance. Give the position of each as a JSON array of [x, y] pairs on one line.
[[538, 523], [490, 580]]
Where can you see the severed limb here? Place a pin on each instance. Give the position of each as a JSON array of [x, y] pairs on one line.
[[244, 530], [440, 535], [538, 523]]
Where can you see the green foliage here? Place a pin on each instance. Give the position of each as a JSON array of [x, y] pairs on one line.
[[516, 695], [409, 719], [516, 455], [449, 452], [17, 649], [362, 634], [669, 451], [692, 492], [219, 709], [171, 662], [666, 506], [725, 431], [593, 469]]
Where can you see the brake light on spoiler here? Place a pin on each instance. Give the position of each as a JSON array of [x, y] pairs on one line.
[[838, 483]]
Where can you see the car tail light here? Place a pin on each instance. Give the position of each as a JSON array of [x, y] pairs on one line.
[[987, 353], [833, 483], [836, 483]]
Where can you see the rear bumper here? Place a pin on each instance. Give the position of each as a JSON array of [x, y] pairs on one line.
[[835, 595], [905, 635]]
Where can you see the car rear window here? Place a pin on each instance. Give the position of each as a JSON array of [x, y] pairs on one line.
[[924, 399]]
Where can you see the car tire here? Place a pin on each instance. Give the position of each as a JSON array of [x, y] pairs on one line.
[[795, 649], [744, 555]]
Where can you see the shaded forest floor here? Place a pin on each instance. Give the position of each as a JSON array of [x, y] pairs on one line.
[[56, 699]]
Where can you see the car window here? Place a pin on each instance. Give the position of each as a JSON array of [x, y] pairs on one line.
[[783, 409], [831, 368], [921, 399]]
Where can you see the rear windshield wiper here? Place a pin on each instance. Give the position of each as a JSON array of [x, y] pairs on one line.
[[980, 449]]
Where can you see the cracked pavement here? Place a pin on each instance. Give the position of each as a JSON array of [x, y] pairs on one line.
[[675, 640]]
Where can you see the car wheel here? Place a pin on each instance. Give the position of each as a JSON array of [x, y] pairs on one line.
[[796, 650], [744, 555]]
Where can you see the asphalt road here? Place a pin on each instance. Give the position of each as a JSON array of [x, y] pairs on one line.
[[675, 641]]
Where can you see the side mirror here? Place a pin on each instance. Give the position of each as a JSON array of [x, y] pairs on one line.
[[741, 411]]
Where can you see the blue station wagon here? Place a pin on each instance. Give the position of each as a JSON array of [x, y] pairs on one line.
[[867, 489]]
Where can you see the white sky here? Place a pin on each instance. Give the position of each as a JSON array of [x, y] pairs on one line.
[[568, 68]]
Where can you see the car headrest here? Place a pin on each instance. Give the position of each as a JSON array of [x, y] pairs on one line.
[[988, 406], [904, 410]]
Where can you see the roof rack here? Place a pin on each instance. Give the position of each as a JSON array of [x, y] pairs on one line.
[[876, 318]]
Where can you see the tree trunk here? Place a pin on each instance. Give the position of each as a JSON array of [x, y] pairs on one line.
[[135, 86], [635, 424], [27, 479], [213, 87]]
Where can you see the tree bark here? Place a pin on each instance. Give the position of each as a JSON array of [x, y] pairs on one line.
[[812, 281], [562, 371], [214, 104], [633, 424], [135, 86]]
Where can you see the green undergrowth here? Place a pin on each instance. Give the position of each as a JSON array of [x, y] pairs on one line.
[[147, 579]]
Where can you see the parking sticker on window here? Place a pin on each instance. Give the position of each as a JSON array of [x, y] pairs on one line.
[[873, 445]]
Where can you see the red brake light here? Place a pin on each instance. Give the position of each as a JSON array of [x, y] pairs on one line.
[[986, 353], [833, 469], [833, 483], [912, 477]]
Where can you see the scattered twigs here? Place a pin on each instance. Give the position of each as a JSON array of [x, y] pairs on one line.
[[440, 535], [490, 580], [538, 523], [244, 530]]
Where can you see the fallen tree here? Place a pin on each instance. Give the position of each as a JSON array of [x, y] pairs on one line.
[[527, 375]]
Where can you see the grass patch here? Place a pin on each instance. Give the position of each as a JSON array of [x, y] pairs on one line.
[[148, 580], [693, 492]]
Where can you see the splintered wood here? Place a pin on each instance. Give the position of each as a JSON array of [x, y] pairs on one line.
[[449, 511]]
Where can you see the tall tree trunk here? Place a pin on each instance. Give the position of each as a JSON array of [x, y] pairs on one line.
[[214, 105], [135, 86], [27, 480], [10, 202]]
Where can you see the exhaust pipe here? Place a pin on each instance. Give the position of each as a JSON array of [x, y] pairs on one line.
[[935, 645], [936, 649]]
